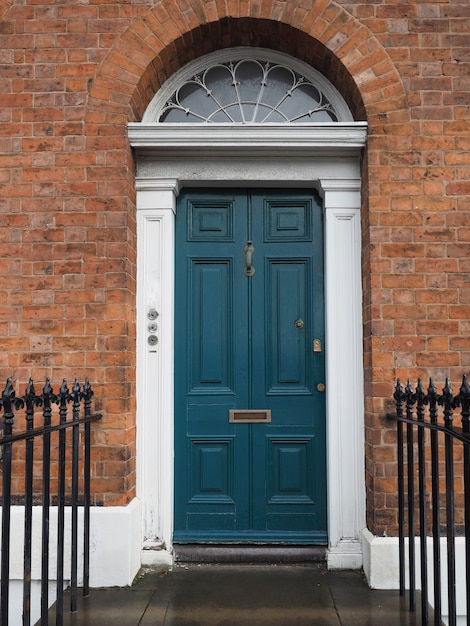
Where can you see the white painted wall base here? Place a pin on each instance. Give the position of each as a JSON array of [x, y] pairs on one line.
[[115, 544], [381, 567]]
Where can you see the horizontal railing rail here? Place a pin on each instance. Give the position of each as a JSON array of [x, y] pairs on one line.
[[64, 461], [427, 440]]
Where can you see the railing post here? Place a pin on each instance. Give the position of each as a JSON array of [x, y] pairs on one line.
[[87, 395], [436, 515], [64, 398], [463, 400], [30, 400], [8, 399], [410, 399], [447, 401], [421, 400], [48, 398], [399, 395], [76, 396]]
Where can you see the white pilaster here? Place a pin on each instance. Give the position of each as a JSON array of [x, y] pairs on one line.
[[156, 206], [344, 371]]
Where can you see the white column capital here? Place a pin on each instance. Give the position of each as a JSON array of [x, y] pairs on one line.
[[157, 192], [340, 193]]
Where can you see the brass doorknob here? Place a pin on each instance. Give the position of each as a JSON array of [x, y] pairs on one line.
[[321, 387]]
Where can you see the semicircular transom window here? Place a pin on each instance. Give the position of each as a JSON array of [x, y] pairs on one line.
[[248, 86]]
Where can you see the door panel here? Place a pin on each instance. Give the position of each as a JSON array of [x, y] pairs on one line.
[[245, 342]]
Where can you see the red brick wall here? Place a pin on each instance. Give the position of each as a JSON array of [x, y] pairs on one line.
[[73, 74]]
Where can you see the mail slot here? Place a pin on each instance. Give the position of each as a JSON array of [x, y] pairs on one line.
[[249, 416]]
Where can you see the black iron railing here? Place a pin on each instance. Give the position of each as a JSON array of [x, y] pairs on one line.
[[433, 453], [51, 462]]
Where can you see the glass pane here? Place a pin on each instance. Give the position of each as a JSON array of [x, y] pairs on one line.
[[249, 77], [173, 115], [279, 81], [219, 80], [234, 111], [195, 97]]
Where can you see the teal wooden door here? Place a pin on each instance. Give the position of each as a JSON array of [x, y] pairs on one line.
[[244, 354]]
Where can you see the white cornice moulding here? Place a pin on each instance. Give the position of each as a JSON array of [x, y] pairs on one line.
[[158, 184], [247, 139]]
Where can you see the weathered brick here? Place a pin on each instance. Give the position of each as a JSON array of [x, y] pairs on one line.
[[73, 75]]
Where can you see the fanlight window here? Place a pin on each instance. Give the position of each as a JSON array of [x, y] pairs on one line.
[[248, 91]]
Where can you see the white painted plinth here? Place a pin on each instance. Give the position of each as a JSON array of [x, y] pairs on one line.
[[381, 567], [115, 544]]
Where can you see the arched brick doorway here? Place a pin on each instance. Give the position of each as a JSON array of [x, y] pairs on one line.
[[325, 36]]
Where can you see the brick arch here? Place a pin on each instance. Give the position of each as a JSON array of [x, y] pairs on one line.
[[325, 36]]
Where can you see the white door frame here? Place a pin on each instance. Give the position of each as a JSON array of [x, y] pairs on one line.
[[325, 157]]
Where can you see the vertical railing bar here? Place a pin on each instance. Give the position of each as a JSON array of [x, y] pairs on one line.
[[7, 401], [436, 525], [47, 399], [75, 458], [447, 401], [30, 401], [466, 464], [463, 400], [411, 491], [87, 395], [398, 395], [421, 399], [64, 398]]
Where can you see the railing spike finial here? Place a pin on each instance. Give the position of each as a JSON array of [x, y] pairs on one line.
[[87, 390], [421, 399], [463, 400], [8, 404], [47, 389], [447, 401], [398, 393], [465, 387]]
